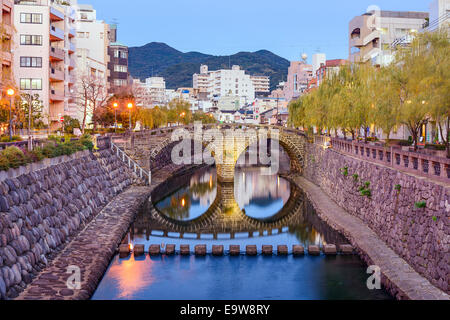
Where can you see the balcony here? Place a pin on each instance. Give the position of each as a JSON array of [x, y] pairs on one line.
[[56, 95], [56, 75], [56, 54], [71, 48], [56, 34], [72, 79], [72, 64], [6, 57], [72, 33], [56, 15]]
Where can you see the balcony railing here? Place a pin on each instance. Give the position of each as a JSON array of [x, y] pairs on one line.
[[430, 166], [56, 34], [71, 47], [56, 15], [56, 53], [56, 95], [56, 74]]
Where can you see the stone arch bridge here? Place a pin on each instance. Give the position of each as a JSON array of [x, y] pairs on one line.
[[152, 150]]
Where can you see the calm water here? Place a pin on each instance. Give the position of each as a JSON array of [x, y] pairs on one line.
[[256, 209]]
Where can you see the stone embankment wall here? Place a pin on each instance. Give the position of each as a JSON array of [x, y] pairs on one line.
[[421, 236], [44, 206]]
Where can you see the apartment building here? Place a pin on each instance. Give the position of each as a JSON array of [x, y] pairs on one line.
[[439, 15], [7, 32], [372, 34], [92, 51], [299, 75], [44, 55], [226, 82], [261, 84], [119, 77]]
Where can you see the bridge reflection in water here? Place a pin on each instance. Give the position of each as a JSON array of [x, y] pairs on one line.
[[254, 208]]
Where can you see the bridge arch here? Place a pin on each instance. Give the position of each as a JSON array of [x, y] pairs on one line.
[[227, 151]]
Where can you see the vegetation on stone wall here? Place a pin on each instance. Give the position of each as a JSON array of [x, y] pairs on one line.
[[14, 157]]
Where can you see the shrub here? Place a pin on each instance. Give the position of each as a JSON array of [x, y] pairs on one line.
[[86, 141], [355, 177], [15, 156], [4, 163], [344, 171]]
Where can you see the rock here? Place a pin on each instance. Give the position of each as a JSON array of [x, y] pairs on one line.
[[329, 249], [2, 288], [346, 249], [185, 250]]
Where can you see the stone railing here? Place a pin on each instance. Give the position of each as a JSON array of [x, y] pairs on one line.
[[430, 166], [144, 175]]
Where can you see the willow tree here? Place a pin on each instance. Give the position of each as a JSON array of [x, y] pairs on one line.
[[386, 102]]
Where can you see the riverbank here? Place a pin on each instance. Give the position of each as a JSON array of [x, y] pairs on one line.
[[398, 277]]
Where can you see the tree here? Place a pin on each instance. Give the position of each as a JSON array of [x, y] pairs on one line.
[[31, 107], [92, 95]]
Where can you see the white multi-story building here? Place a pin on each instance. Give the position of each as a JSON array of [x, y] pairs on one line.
[[44, 54], [225, 82], [92, 50], [439, 14], [261, 84], [156, 87]]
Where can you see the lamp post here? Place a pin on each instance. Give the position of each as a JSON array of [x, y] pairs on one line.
[[10, 92], [130, 106], [115, 106]]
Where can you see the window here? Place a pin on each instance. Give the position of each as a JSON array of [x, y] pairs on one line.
[[31, 62], [120, 54], [31, 18], [31, 40], [80, 34], [120, 82], [30, 84], [120, 68]]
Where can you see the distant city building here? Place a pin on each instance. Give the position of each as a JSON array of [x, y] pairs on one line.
[[261, 84], [44, 54], [227, 82], [299, 75], [317, 60], [329, 68], [6, 54], [156, 87], [372, 34]]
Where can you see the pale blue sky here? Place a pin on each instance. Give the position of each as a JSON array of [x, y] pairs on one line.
[[285, 27]]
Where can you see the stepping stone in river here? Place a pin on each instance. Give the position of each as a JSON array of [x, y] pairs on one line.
[[314, 250], [235, 250], [155, 250], [329, 249], [138, 250], [346, 249], [217, 250], [298, 250], [267, 250], [185, 250], [282, 250], [170, 249], [251, 250], [200, 250]]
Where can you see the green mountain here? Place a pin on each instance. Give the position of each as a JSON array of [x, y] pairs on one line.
[[159, 59]]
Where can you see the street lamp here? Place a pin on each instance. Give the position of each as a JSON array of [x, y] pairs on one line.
[[115, 106], [10, 92], [130, 106]]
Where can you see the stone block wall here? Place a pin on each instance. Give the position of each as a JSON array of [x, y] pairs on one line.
[[421, 236], [40, 211]]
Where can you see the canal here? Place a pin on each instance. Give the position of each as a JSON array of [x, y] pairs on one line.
[[256, 209]]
